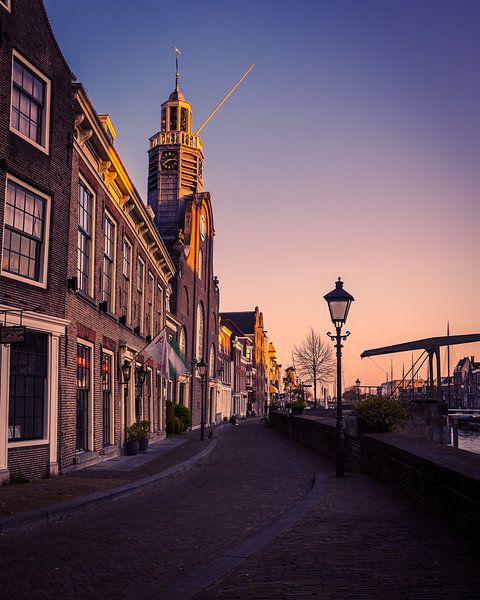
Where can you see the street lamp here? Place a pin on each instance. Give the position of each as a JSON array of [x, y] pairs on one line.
[[126, 371], [339, 301], [357, 385], [202, 371]]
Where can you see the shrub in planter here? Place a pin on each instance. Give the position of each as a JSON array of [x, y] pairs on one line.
[[182, 413], [297, 407], [132, 441], [144, 430], [381, 413]]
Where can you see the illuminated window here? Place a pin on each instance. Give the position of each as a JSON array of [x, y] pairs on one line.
[[30, 103], [107, 387], [84, 240], [24, 238], [108, 262], [83, 395]]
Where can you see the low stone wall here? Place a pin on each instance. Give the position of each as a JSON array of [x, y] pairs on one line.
[[444, 479]]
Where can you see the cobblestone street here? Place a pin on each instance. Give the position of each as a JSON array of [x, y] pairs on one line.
[[359, 540], [152, 538]]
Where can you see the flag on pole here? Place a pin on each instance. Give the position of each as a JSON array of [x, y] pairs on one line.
[[158, 350], [177, 361], [167, 353]]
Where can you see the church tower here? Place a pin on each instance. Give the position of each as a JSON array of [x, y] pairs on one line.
[[183, 215], [175, 164]]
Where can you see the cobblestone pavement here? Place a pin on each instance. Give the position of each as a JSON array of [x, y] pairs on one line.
[[363, 541], [152, 539], [42, 493]]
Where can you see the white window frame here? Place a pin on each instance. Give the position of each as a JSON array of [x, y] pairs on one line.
[[45, 147], [142, 307], [42, 282], [126, 242], [113, 294], [91, 287], [151, 289]]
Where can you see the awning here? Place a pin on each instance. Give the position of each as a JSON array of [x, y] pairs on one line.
[[272, 389]]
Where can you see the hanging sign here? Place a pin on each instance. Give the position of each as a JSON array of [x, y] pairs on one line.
[[14, 334]]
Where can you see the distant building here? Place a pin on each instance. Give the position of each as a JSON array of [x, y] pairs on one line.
[[250, 325], [466, 384]]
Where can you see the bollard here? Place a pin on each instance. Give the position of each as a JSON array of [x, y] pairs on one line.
[[455, 432]]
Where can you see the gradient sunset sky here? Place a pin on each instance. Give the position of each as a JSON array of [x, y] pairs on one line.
[[351, 149]]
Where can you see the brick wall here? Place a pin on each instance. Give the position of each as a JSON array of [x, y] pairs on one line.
[[29, 462], [443, 479]]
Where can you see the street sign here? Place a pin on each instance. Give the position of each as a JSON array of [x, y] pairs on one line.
[[14, 334]]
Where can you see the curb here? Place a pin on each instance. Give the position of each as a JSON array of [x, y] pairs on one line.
[[201, 578], [62, 510]]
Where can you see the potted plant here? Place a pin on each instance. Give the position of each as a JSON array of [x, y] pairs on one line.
[[132, 441], [144, 434]]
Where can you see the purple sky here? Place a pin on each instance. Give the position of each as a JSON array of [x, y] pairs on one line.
[[351, 149]]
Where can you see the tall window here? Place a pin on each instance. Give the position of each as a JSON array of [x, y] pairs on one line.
[[200, 331], [211, 363], [127, 279], [159, 307], [200, 263], [107, 398], [28, 387], [85, 212], [150, 303], [108, 261], [140, 294], [83, 395], [29, 108], [24, 236], [182, 341]]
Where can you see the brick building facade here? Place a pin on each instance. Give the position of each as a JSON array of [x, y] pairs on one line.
[[83, 267], [36, 128]]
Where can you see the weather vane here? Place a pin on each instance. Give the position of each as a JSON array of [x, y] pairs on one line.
[[177, 74]]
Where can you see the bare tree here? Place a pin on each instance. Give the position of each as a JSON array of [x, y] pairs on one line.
[[314, 360]]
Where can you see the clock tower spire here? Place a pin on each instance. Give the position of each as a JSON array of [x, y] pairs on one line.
[[175, 163]]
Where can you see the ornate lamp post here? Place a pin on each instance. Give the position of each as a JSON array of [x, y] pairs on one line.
[[126, 371], [357, 385], [339, 301], [202, 371]]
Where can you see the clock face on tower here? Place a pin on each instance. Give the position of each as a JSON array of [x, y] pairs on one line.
[[169, 160]]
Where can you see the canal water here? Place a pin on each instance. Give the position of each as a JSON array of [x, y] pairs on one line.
[[469, 440]]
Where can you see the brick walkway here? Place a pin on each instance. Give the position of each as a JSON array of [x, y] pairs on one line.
[[363, 541], [359, 539]]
